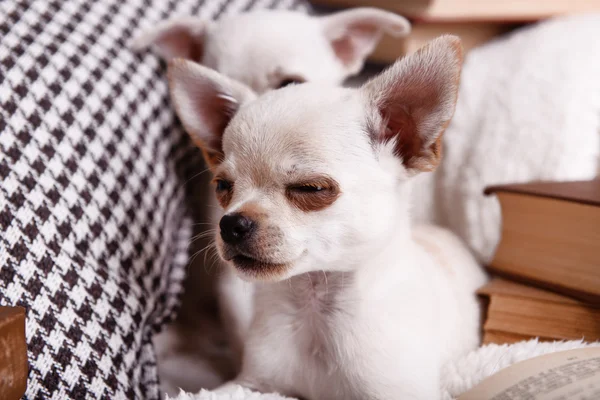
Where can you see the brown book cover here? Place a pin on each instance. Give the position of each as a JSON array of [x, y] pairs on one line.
[[472, 34], [499, 337], [519, 312], [551, 236], [584, 192], [467, 10], [13, 353]]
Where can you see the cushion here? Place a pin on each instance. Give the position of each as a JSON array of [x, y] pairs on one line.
[[95, 191]]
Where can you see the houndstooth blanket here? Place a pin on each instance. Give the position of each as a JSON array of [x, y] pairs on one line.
[[94, 213]]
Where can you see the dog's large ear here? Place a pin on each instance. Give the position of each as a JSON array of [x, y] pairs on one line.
[[181, 37], [355, 33], [205, 102], [415, 99]]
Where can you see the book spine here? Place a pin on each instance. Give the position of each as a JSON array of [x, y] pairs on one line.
[[13, 353]]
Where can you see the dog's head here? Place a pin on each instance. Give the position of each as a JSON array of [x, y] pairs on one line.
[[313, 177], [270, 49]]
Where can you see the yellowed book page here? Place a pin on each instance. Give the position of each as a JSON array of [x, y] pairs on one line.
[[571, 374]]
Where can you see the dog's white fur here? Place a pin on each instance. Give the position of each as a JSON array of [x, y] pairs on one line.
[[351, 301], [262, 49]]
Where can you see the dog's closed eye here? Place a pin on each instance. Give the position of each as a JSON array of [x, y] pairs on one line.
[[313, 195], [308, 188]]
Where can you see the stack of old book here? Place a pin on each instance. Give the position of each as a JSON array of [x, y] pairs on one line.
[[13, 353], [475, 22], [547, 263]]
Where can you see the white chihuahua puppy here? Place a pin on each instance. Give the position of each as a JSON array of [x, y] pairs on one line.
[[351, 302], [266, 50], [269, 49]]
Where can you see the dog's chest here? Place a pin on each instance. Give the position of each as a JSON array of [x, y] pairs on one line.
[[316, 304], [310, 319]]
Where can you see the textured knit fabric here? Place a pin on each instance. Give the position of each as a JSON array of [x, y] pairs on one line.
[[528, 109], [93, 207]]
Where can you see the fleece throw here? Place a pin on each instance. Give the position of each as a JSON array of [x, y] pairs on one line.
[[457, 377]]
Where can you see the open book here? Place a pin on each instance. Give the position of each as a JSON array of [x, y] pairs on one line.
[[565, 375]]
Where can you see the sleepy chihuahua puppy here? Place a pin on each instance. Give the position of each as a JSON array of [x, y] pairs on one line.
[[351, 302], [266, 50]]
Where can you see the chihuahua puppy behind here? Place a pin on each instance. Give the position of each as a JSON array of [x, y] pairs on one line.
[[351, 302], [267, 50]]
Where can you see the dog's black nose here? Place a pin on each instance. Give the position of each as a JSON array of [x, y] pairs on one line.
[[235, 228]]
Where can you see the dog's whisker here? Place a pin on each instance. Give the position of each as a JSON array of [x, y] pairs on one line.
[[310, 279], [291, 287], [196, 240], [193, 177], [213, 257], [206, 255], [215, 264], [200, 251], [202, 235], [193, 257], [326, 282]]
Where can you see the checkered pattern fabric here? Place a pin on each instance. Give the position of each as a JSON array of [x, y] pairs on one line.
[[93, 194]]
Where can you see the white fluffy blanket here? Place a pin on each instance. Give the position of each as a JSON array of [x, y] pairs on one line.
[[457, 377], [528, 109]]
